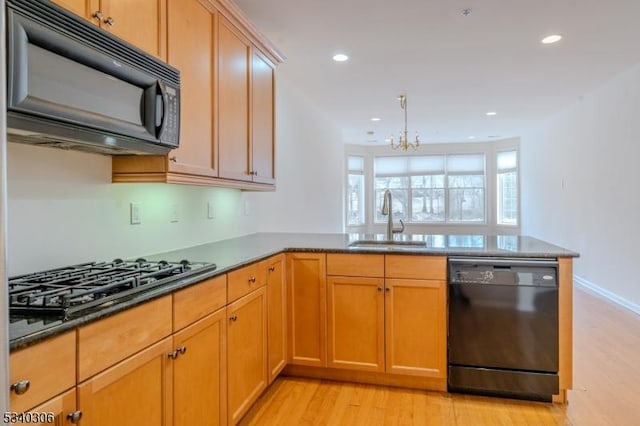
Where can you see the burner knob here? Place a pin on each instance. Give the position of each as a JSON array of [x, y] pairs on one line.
[[141, 260], [20, 387]]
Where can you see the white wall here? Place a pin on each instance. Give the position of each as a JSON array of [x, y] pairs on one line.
[[309, 169], [580, 185], [63, 209]]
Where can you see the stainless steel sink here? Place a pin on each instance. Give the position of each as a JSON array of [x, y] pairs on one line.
[[388, 245]]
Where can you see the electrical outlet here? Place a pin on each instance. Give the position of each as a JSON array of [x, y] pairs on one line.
[[174, 213], [136, 213], [247, 208], [210, 211]]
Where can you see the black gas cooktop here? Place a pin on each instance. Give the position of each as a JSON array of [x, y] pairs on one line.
[[75, 289]]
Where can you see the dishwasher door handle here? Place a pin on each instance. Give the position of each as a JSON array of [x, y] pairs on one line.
[[504, 262]]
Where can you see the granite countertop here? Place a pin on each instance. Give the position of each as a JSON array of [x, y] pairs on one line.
[[237, 252]]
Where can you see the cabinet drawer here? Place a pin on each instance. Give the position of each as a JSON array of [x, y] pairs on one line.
[[49, 367], [108, 341], [198, 301], [355, 265], [244, 280], [418, 267]]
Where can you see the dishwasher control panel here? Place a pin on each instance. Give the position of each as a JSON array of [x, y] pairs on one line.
[[529, 272]]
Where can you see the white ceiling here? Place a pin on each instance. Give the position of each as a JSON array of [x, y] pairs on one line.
[[453, 68]]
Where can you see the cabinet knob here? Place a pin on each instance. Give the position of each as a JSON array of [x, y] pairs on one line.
[[182, 350], [379, 288], [173, 354], [74, 417], [98, 15], [20, 387], [387, 289], [173, 159], [253, 173], [252, 280], [109, 21], [272, 268], [233, 317]]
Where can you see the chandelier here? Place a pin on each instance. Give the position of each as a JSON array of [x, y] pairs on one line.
[[404, 139]]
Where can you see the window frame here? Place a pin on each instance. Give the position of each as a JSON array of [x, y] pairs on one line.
[[488, 227]]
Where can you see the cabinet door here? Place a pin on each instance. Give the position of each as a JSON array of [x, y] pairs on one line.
[[416, 328], [58, 411], [140, 22], [355, 323], [307, 309], [246, 352], [276, 315], [233, 102], [83, 8], [190, 49], [132, 393], [262, 119], [199, 372]]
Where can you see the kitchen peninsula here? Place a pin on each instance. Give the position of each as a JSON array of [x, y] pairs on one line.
[[275, 302]]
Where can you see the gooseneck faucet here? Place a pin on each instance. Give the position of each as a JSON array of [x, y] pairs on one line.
[[387, 211]]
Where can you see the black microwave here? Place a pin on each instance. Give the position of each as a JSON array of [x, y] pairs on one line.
[[73, 85]]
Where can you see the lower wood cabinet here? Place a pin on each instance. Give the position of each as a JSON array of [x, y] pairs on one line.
[[307, 309], [59, 411], [355, 323], [276, 315], [246, 352], [392, 320], [199, 372], [30, 377], [134, 392], [415, 327]]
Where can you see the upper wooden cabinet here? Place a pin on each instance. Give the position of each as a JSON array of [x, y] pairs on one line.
[[262, 164], [233, 102], [227, 102], [140, 22], [191, 30]]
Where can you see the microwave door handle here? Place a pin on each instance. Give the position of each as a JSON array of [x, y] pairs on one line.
[[161, 111]]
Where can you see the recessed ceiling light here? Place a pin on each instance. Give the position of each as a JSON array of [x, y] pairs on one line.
[[375, 119], [472, 137], [553, 38], [491, 113], [340, 57]]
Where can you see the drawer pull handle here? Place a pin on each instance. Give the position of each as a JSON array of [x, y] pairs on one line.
[[21, 387], [233, 317], [74, 417]]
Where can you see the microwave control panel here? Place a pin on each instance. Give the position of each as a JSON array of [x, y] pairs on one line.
[[170, 133]]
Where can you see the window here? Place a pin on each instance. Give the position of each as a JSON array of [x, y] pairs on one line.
[[507, 191], [355, 191], [432, 188]]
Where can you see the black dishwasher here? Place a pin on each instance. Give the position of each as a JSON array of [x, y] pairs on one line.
[[503, 327]]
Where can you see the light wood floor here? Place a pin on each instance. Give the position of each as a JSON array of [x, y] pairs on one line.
[[606, 388]]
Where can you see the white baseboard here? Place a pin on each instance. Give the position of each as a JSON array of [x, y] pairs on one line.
[[607, 294]]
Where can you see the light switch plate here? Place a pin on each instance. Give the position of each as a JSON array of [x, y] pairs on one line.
[[136, 213], [174, 213], [210, 211]]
